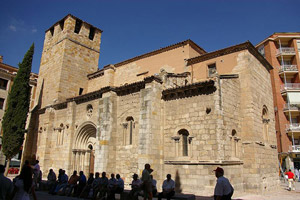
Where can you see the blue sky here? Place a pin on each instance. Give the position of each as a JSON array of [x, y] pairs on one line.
[[133, 28]]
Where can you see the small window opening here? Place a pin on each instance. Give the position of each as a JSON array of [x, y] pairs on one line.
[[90, 147], [3, 84], [184, 133], [61, 24], [1, 103], [212, 70], [233, 132], [52, 30], [130, 120], [92, 33], [78, 26], [80, 91]]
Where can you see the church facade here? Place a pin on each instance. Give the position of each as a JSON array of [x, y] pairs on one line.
[[181, 109]]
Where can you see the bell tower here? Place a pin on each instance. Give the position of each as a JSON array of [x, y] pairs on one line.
[[71, 52]]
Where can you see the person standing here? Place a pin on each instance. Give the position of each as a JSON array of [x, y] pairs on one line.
[[147, 182], [296, 174], [6, 186], [168, 188], [24, 185], [291, 178], [223, 188], [36, 173]]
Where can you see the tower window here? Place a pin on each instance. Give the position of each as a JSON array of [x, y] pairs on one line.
[[61, 24], [92, 33], [78, 26], [52, 30]]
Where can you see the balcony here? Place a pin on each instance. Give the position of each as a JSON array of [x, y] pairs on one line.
[[293, 129], [293, 108], [285, 51], [294, 148], [288, 70], [290, 87]]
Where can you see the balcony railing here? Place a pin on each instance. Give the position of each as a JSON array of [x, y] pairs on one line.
[[285, 51], [293, 127], [294, 148], [290, 86], [288, 68], [292, 107]]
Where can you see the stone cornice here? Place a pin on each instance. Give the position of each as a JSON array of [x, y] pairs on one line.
[[204, 162], [120, 91], [195, 89], [184, 74]]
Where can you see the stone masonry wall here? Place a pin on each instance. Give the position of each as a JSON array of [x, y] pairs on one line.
[[260, 157]]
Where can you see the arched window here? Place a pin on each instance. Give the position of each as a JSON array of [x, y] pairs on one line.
[[128, 131], [234, 143], [265, 121], [184, 134]]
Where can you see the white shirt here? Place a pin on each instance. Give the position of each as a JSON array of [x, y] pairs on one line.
[[136, 183], [167, 185], [223, 187]]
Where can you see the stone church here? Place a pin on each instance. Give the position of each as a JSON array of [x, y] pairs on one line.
[[181, 109]]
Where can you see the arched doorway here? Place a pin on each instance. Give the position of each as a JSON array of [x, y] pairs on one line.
[[83, 148]]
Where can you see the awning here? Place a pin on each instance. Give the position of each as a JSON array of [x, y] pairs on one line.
[[294, 97]]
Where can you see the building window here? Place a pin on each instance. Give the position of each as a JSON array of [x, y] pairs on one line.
[[92, 33], [77, 26], [212, 70], [184, 135], [3, 84], [1, 103]]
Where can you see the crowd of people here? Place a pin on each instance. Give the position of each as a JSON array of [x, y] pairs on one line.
[[96, 187]]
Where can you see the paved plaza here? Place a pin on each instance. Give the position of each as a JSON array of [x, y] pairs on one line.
[[281, 194]]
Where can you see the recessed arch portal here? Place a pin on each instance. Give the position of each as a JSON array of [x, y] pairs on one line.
[[83, 148]]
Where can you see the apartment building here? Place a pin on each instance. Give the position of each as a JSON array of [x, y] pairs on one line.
[[7, 75], [282, 50]]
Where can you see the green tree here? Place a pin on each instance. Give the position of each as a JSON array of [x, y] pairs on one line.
[[15, 116]]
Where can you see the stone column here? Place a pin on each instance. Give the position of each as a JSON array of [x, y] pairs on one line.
[[104, 151], [149, 136]]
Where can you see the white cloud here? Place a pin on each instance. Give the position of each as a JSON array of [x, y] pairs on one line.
[[12, 28]]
